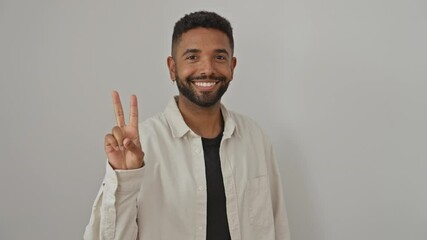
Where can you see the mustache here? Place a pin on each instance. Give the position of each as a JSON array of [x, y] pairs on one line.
[[205, 77]]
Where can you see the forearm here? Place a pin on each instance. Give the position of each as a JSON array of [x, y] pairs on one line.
[[114, 213], [277, 196]]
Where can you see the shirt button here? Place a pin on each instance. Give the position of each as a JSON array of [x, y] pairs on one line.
[[197, 151], [201, 188], [200, 228]]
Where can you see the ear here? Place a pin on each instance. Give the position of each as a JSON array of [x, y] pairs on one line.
[[232, 66], [172, 68]]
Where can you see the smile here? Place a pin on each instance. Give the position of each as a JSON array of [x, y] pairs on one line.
[[204, 84]]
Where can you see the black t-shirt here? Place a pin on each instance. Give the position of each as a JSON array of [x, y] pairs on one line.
[[217, 223]]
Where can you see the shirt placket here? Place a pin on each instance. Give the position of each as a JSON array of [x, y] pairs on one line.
[[230, 193], [201, 193]]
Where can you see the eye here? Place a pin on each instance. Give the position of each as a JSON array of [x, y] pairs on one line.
[[191, 57], [221, 57]]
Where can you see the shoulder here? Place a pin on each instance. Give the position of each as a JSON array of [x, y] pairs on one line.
[[154, 124], [246, 126], [243, 121]]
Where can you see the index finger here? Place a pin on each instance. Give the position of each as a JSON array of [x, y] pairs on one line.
[[118, 109], [133, 118]]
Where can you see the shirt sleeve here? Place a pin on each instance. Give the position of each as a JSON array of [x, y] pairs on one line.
[[281, 224], [114, 212]]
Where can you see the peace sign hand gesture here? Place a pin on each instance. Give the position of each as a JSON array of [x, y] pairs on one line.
[[122, 145]]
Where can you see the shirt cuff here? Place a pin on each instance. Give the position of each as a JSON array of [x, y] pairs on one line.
[[124, 180]]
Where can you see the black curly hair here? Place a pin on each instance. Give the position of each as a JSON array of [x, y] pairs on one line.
[[202, 19]]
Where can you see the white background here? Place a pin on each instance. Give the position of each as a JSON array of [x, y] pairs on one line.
[[340, 87]]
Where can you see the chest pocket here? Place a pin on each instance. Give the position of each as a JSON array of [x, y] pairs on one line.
[[259, 201]]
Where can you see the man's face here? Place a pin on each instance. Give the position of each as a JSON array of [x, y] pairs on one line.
[[202, 66]]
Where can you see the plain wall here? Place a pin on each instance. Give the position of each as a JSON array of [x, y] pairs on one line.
[[339, 86]]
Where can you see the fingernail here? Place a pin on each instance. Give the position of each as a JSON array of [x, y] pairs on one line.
[[116, 148]]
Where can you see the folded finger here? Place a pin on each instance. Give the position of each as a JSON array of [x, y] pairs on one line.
[[118, 135], [110, 143]]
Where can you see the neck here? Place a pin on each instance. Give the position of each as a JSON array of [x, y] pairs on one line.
[[207, 122]]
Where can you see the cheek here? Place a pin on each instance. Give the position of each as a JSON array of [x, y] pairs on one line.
[[225, 70], [186, 71]]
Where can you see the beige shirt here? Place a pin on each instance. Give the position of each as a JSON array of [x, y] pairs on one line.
[[167, 198]]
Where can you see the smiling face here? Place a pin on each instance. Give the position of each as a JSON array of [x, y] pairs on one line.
[[202, 65]]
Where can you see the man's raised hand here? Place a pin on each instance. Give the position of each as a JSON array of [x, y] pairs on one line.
[[123, 145]]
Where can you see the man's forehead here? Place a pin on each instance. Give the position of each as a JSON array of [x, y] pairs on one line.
[[203, 39]]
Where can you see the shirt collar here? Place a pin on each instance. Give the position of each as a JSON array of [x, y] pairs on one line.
[[179, 128]]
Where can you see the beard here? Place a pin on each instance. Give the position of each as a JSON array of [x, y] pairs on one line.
[[207, 98]]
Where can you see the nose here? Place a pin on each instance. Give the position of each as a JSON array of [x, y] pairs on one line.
[[206, 67]]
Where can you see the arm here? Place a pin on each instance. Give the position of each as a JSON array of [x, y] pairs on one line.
[[281, 224], [114, 213]]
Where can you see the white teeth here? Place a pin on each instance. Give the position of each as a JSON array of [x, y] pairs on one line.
[[204, 84]]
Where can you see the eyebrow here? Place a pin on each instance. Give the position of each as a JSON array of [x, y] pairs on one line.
[[195, 50], [222, 51], [191, 50]]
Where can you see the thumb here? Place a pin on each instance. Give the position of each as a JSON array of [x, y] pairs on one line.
[[131, 146]]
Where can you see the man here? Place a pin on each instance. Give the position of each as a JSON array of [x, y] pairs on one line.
[[197, 170]]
